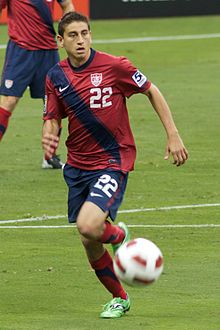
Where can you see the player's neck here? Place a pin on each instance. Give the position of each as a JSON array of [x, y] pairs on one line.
[[77, 62]]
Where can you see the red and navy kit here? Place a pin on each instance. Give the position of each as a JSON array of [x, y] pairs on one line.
[[105, 188], [31, 50], [30, 23], [93, 97]]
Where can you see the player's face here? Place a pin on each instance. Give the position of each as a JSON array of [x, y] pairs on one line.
[[77, 41]]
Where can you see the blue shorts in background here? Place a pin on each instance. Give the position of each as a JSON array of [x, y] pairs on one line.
[[23, 68], [105, 188]]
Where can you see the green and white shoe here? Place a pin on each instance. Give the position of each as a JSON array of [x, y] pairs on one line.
[[116, 308], [123, 226]]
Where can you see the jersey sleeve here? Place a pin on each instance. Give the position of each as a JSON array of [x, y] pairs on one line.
[[53, 108], [129, 79]]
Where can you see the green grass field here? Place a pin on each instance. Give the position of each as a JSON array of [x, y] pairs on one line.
[[46, 282]]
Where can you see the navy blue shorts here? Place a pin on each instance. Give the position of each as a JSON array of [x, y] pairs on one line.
[[23, 68], [105, 188]]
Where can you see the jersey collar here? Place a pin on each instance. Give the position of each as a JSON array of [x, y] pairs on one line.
[[85, 65]]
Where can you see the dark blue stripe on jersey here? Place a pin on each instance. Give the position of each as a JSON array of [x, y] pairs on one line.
[[45, 13], [2, 128], [83, 113]]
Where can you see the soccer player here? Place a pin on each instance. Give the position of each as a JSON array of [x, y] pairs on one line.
[[31, 52], [90, 88]]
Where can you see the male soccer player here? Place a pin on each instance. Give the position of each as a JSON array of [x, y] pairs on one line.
[[90, 88], [31, 52]]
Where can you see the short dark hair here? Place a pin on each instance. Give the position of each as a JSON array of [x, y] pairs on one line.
[[70, 17]]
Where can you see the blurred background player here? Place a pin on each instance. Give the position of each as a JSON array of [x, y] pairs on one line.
[[31, 52], [90, 88]]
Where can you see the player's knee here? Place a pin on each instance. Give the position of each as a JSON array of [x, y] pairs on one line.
[[9, 102], [90, 221], [89, 228], [85, 228]]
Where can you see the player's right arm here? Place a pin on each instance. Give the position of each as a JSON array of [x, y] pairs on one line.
[[52, 120], [3, 4], [50, 139]]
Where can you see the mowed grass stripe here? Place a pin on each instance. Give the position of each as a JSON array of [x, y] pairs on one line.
[[163, 208]]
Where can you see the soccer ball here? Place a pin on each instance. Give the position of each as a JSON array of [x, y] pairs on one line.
[[138, 262]]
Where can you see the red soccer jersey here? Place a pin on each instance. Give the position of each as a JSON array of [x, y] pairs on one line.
[[30, 23], [93, 97]]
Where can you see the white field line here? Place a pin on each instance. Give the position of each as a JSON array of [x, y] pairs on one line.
[[162, 38], [148, 39], [43, 218], [133, 226], [164, 208]]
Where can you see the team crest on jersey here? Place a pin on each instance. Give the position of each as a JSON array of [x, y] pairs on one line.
[[9, 83], [96, 79]]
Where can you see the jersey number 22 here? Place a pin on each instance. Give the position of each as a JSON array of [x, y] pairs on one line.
[[100, 97]]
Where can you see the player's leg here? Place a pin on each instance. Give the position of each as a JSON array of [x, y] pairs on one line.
[[90, 218], [45, 60], [102, 263], [7, 105], [90, 212], [91, 233], [95, 230], [14, 81]]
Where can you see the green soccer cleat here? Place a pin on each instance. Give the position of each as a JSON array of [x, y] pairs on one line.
[[116, 308], [123, 226]]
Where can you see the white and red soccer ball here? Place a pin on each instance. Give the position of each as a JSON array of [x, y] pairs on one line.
[[138, 262]]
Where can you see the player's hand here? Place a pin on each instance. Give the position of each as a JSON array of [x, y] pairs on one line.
[[49, 144], [176, 147]]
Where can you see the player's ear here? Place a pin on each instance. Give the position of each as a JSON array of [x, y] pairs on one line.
[[60, 41]]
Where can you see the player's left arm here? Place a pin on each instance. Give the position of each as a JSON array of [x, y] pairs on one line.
[[175, 144], [67, 6]]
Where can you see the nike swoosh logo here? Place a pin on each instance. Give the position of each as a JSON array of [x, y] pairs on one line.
[[63, 89], [92, 194]]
